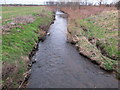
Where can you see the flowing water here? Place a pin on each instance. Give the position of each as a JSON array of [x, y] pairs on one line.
[[59, 65]]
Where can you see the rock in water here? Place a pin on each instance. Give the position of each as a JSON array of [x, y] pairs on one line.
[[30, 65], [34, 61], [48, 34], [42, 39]]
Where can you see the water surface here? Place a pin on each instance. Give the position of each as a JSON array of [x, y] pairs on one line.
[[59, 65]]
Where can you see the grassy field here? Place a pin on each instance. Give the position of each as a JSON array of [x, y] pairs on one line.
[[11, 11], [19, 41], [96, 35]]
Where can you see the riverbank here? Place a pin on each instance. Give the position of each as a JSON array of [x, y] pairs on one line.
[[20, 36], [95, 34], [59, 65]]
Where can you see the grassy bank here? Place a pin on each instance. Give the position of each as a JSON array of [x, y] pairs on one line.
[[96, 37], [19, 40], [103, 27]]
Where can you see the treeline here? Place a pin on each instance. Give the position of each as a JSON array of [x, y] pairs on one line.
[[82, 3], [70, 3], [20, 5]]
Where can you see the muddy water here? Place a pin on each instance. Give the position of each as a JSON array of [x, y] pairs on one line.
[[59, 65]]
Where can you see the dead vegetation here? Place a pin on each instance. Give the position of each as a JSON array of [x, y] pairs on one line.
[[86, 40], [85, 11], [23, 19], [15, 23]]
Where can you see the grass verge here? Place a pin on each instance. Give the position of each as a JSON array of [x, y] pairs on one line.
[[105, 30], [96, 37], [17, 45]]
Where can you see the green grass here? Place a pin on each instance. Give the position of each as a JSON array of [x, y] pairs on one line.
[[17, 45], [11, 12], [93, 30], [105, 29]]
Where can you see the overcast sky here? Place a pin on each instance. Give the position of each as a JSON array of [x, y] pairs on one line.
[[41, 1]]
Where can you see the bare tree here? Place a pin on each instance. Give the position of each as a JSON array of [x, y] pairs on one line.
[[100, 3], [86, 2]]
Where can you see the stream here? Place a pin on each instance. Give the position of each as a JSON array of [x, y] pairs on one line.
[[59, 65]]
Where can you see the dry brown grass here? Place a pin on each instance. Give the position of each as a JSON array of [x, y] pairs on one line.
[[85, 11]]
